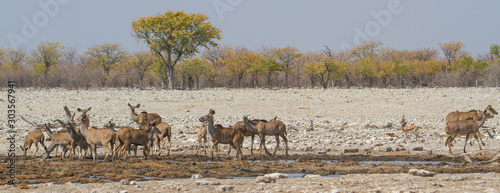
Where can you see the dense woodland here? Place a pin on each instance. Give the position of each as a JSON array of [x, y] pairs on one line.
[[369, 64]]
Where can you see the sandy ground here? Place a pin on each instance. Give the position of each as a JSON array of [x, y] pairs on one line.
[[343, 119]]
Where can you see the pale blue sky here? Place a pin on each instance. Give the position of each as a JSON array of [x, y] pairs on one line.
[[308, 25]]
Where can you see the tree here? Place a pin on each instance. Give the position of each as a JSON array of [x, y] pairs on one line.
[[46, 56], [238, 62], [215, 56], [173, 36], [270, 66], [495, 51], [452, 51], [141, 61], [193, 68], [107, 56], [287, 57], [366, 49], [15, 58], [2, 56]]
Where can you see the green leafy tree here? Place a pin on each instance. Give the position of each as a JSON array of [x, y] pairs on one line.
[[107, 56], [46, 56], [173, 36], [495, 51], [142, 62], [192, 69], [269, 67]]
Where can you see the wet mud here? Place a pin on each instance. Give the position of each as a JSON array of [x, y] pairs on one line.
[[58, 170]]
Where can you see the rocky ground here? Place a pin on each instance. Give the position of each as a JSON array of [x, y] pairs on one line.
[[347, 129]]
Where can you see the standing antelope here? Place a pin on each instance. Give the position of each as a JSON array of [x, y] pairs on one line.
[[223, 135], [33, 137], [465, 127], [96, 137], [126, 136], [406, 129], [472, 114], [273, 127]]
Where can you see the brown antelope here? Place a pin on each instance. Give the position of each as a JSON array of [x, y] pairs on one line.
[[33, 137], [143, 118], [66, 139], [202, 136], [465, 127], [247, 132], [96, 137], [406, 129], [159, 140], [472, 114], [127, 136], [273, 127], [80, 142], [222, 135]]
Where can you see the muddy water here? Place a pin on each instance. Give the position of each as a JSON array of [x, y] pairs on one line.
[[184, 166]]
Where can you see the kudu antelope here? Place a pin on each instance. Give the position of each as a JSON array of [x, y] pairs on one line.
[[273, 127], [33, 137], [248, 132], [465, 127], [472, 114], [143, 118], [222, 135], [96, 137], [127, 136], [66, 139]]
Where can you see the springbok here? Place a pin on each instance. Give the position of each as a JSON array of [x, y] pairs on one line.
[[406, 129]]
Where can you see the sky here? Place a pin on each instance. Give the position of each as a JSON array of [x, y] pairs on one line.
[[308, 25]]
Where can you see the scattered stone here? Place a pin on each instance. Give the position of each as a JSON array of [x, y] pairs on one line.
[[277, 175], [225, 188], [132, 182], [125, 182], [418, 149], [123, 191], [196, 176], [265, 179], [205, 182], [312, 176], [419, 172], [321, 152], [389, 149], [351, 150]]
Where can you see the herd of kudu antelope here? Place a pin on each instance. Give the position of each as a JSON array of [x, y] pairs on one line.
[[153, 131]]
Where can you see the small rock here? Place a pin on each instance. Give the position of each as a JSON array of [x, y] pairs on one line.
[[321, 152], [196, 176], [125, 182], [312, 176], [123, 191], [132, 183], [225, 188], [351, 150], [418, 149], [277, 175], [204, 182], [265, 179], [418, 172], [389, 149]]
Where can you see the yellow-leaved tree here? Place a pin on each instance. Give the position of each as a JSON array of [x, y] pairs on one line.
[[175, 35]]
